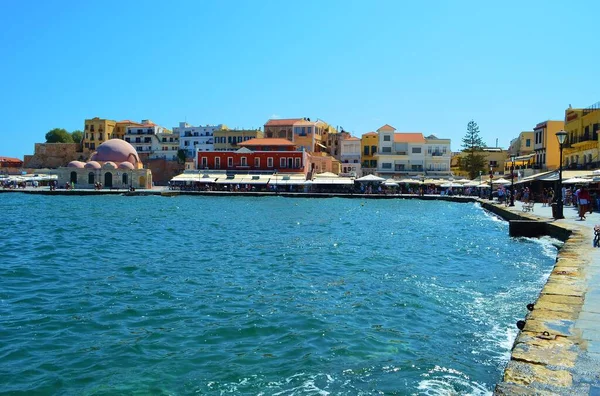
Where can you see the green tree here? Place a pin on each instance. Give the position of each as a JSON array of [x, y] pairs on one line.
[[59, 135], [474, 160], [77, 136]]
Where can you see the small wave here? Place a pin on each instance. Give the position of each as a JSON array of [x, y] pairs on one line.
[[448, 381]]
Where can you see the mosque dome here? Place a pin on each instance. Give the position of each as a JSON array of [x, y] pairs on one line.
[[92, 165], [125, 165], [109, 165], [116, 150], [76, 164]]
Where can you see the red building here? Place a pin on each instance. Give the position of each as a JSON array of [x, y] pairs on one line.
[[10, 165], [259, 154]]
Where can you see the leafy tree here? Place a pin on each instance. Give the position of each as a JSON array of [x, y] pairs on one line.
[[474, 160], [77, 136], [59, 135]]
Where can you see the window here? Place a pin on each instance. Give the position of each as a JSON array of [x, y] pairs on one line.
[[244, 161], [366, 150], [387, 138], [204, 162], [229, 162], [218, 163], [373, 149], [429, 150], [257, 162], [297, 162], [386, 165], [270, 162], [386, 149], [309, 130], [416, 150], [239, 139], [125, 181], [282, 162], [528, 143], [185, 142], [444, 149]]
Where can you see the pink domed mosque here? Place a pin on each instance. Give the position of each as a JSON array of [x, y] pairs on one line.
[[115, 164]]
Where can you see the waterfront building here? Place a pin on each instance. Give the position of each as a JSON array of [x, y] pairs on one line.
[[334, 143], [494, 160], [350, 157], [581, 149], [115, 164], [229, 139], [152, 140], [95, 132], [437, 157], [281, 128], [411, 154], [259, 155], [521, 148], [9, 166], [368, 143], [121, 128], [196, 138], [545, 145]]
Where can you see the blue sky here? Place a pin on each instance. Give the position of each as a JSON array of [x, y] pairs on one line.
[[419, 66]]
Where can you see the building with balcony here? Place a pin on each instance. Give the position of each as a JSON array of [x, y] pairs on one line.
[[522, 148], [581, 150], [545, 145], [152, 140], [411, 154], [437, 157], [368, 144], [259, 155], [196, 138], [95, 132], [229, 139], [333, 142], [306, 134], [350, 157]]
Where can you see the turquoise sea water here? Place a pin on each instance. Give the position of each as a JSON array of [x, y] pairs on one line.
[[264, 296]]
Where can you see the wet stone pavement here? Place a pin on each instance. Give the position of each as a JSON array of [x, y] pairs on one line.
[[558, 350]]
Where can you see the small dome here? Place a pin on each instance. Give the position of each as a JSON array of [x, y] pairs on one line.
[[116, 150], [109, 165], [126, 165], [76, 164], [92, 165]]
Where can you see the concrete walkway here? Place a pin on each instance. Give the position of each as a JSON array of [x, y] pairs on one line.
[[558, 350]]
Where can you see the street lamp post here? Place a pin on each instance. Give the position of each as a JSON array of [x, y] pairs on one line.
[[561, 136], [512, 180], [491, 182]]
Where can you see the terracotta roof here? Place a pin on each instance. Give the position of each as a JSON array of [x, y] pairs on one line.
[[386, 127], [352, 138], [283, 121], [128, 122], [11, 160], [409, 137], [266, 142], [370, 134]]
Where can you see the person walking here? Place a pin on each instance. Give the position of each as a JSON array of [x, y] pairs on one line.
[[584, 200]]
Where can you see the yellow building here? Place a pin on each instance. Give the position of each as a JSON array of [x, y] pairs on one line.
[[495, 159], [581, 149], [228, 139], [95, 132], [368, 149], [522, 149], [545, 144]]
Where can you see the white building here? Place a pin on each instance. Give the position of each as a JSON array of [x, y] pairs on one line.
[[410, 154], [194, 139], [437, 157], [152, 139], [350, 157]]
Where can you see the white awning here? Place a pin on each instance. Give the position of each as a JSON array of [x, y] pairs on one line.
[[336, 180]]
